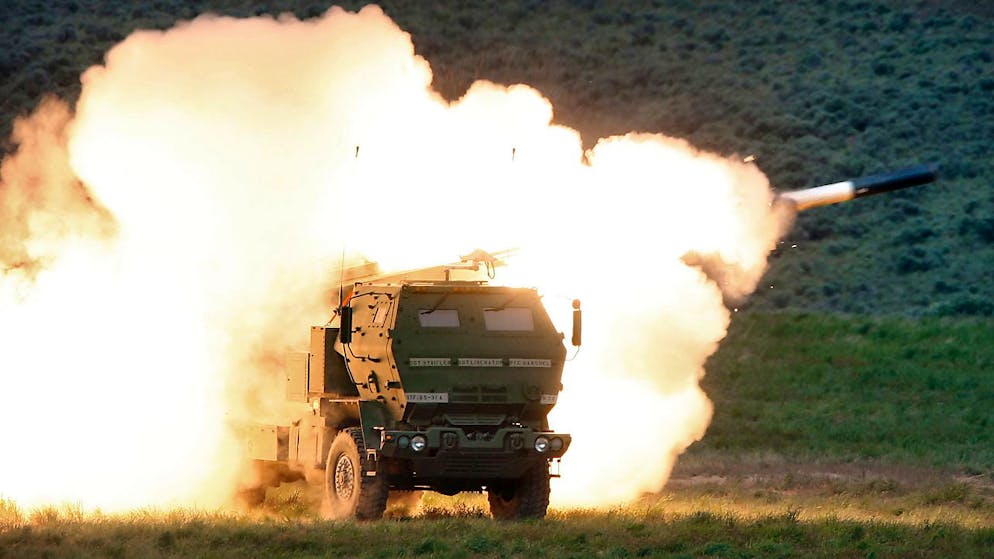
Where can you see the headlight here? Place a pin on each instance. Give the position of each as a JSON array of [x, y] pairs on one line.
[[418, 443], [403, 441], [541, 444], [556, 445]]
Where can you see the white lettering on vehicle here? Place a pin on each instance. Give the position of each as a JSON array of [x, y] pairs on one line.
[[480, 362], [428, 397], [430, 362], [516, 362]]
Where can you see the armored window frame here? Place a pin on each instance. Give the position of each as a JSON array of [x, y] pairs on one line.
[[509, 319], [438, 318]]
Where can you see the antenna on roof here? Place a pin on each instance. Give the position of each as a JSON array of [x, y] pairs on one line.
[[345, 316]]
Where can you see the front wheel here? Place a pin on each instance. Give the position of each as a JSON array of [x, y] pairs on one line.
[[527, 497], [348, 491]]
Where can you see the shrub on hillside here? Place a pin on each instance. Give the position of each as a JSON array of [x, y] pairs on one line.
[[967, 304], [981, 227], [914, 234], [917, 259], [102, 32], [815, 227], [944, 287]]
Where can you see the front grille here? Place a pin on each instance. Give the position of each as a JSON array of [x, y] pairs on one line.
[[474, 419], [475, 466], [474, 394]]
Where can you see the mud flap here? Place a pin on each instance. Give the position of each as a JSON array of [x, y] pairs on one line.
[[372, 418]]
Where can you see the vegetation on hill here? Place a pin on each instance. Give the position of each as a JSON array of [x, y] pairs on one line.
[[817, 91]]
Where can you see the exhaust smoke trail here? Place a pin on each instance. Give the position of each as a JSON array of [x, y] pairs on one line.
[[218, 182]]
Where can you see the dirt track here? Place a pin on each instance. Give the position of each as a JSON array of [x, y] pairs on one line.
[[772, 472]]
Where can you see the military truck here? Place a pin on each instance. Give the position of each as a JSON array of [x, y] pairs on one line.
[[421, 381], [425, 381]]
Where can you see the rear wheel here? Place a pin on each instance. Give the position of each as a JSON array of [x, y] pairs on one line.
[[527, 497], [349, 492]]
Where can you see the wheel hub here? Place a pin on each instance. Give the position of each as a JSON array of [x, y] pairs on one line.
[[344, 477]]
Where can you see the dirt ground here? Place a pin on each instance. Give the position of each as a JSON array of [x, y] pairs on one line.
[[768, 471]]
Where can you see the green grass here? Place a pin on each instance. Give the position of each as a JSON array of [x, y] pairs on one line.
[[808, 387], [637, 531], [830, 494]]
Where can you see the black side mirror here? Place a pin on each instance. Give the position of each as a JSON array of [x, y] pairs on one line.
[[577, 322], [345, 328]]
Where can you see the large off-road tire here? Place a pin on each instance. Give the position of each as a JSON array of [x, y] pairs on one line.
[[527, 497], [348, 492]]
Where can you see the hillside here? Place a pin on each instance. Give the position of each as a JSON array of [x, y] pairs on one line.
[[817, 91]]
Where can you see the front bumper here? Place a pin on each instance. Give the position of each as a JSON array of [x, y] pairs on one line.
[[451, 452]]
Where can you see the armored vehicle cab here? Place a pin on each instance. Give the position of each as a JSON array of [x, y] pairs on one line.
[[426, 385]]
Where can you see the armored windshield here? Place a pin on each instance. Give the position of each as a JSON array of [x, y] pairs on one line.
[[510, 319], [438, 318]]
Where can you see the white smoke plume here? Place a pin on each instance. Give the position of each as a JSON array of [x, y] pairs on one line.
[[41, 200], [227, 163]]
